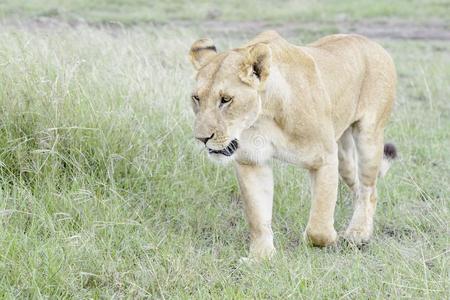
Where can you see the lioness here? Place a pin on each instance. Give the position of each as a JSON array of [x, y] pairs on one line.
[[322, 107]]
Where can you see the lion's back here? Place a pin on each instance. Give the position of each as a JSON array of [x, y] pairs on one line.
[[355, 49]]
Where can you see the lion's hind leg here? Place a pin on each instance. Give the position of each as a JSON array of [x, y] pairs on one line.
[[348, 163], [369, 145]]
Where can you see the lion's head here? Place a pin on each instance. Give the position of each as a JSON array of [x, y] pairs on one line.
[[226, 98]]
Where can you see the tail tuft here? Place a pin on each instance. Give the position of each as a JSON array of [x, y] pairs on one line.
[[390, 151]]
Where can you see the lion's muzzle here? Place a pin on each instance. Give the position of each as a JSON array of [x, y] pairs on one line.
[[227, 151]]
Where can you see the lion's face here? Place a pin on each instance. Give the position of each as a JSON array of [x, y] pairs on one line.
[[225, 98], [224, 106]]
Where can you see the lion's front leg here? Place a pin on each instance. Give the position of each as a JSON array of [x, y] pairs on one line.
[[320, 229], [256, 185]]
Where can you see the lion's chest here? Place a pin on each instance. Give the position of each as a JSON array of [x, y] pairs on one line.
[[264, 141], [255, 146]]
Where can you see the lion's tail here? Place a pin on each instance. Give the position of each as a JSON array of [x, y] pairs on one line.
[[390, 154]]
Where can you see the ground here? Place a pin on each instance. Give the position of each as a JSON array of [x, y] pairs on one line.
[[104, 194]]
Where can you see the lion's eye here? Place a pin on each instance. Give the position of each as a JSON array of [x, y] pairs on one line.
[[225, 99], [195, 98]]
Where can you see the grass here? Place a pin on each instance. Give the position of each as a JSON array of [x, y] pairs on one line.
[[138, 11], [104, 195]]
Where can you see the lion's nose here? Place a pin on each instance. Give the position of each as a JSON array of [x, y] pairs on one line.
[[204, 140]]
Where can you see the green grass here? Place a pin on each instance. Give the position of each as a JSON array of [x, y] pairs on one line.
[[103, 193], [137, 11]]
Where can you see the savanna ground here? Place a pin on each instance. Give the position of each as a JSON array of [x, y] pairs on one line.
[[104, 194]]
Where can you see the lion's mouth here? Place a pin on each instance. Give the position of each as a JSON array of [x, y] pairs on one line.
[[228, 151]]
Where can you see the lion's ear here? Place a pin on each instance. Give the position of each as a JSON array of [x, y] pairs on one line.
[[201, 52], [256, 65]]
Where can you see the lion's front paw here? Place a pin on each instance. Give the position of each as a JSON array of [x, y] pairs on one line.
[[358, 235], [320, 237], [261, 249]]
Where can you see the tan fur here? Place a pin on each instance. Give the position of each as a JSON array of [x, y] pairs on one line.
[[322, 107]]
